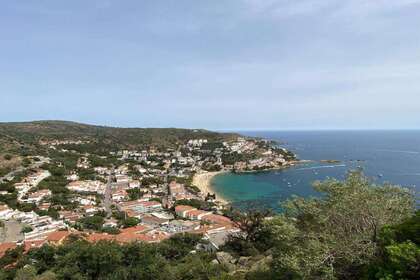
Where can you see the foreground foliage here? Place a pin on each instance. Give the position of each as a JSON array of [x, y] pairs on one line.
[[339, 236], [78, 259]]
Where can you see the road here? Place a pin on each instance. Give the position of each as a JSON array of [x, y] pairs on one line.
[[11, 231], [107, 197]]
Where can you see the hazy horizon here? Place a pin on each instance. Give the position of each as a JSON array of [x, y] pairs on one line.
[[227, 129], [231, 65]]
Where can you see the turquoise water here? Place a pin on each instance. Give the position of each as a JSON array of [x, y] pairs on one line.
[[385, 156]]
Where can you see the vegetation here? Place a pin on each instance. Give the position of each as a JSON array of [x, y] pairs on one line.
[[135, 193], [197, 203], [357, 230], [336, 237], [93, 222], [7, 157], [77, 259], [26, 229], [57, 183], [232, 158], [399, 251], [99, 139], [129, 222]]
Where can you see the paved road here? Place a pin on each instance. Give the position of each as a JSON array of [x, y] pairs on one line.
[[11, 231], [107, 199]]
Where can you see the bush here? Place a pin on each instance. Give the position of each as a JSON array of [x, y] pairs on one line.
[[129, 222], [26, 229], [8, 157], [110, 230], [94, 222]]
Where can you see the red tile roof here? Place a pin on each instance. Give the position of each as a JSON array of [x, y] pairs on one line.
[[182, 208], [95, 237], [58, 236], [4, 247], [196, 213], [30, 244], [217, 219]]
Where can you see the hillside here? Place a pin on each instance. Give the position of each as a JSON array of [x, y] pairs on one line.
[[16, 135]]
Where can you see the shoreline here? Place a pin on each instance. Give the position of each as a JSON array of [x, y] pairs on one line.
[[202, 181]]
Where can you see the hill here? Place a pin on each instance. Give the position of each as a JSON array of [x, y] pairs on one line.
[[29, 135]]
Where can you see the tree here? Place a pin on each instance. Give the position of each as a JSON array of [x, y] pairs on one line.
[[8, 157], [94, 222], [110, 230], [179, 245], [134, 194], [199, 267], [336, 236], [254, 236], [398, 252], [26, 229], [45, 257], [197, 203], [26, 273], [48, 275], [129, 222]]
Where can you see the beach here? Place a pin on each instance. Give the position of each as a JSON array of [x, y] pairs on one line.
[[202, 180]]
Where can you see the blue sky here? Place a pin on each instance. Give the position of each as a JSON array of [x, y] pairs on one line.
[[231, 64]]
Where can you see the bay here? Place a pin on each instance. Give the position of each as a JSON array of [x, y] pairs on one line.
[[384, 156]]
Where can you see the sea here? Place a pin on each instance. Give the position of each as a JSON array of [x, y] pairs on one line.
[[384, 156]]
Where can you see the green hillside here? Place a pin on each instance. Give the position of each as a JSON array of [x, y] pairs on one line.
[[18, 135]]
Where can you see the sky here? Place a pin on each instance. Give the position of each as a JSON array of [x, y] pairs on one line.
[[215, 64]]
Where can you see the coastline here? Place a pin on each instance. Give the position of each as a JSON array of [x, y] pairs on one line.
[[202, 181]]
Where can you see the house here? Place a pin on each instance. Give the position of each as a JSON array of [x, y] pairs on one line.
[[111, 223], [87, 186], [95, 237], [35, 178], [85, 201], [20, 186], [4, 247], [177, 226], [133, 235], [91, 210], [134, 184], [58, 237], [176, 189], [37, 196], [31, 244], [119, 195], [72, 177], [42, 226], [197, 214], [69, 216], [141, 207], [122, 179], [153, 221], [182, 210], [218, 219], [5, 212], [101, 170], [44, 206]]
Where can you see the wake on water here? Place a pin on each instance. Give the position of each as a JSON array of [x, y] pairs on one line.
[[398, 151], [321, 167]]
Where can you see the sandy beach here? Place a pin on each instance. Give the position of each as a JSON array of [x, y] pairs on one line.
[[203, 181]]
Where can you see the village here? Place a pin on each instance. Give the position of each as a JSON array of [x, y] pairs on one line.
[[148, 196]]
